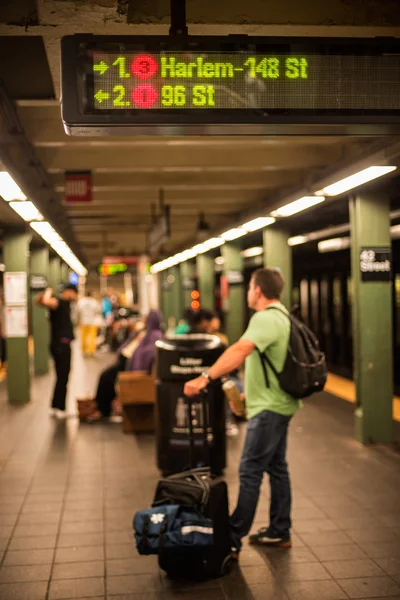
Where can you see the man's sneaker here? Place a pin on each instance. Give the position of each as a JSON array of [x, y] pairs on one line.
[[264, 538]]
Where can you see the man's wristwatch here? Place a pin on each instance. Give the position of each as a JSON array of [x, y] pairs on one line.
[[206, 375]]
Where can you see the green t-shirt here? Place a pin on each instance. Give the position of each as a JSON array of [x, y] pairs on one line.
[[269, 331]]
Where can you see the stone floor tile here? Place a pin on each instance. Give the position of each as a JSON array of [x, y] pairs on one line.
[[140, 596], [327, 538], [132, 566], [369, 587], [24, 573], [76, 516], [314, 590], [39, 518], [382, 549], [266, 591], [82, 554], [345, 552], [33, 542], [314, 526], [8, 520], [81, 527], [76, 588], [78, 570], [342, 569], [33, 507], [210, 594], [372, 535], [36, 530], [134, 584], [28, 557], [391, 566], [80, 539], [23, 591], [121, 551]]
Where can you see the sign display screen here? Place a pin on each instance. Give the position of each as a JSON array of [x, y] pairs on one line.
[[240, 80], [155, 81]]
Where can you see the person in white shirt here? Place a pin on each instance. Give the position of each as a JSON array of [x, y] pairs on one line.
[[88, 311]]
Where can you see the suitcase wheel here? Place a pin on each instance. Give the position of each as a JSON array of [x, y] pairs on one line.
[[226, 565]]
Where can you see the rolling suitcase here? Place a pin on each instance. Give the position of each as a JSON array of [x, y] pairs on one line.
[[198, 487]]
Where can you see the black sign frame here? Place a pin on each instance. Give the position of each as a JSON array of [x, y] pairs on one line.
[[74, 51], [381, 255]]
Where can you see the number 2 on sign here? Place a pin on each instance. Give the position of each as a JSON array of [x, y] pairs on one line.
[[119, 100]]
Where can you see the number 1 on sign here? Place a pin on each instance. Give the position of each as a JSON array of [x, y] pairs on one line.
[[121, 64]]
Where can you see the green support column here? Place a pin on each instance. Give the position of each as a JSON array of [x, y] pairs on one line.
[[233, 269], [64, 273], [55, 273], [187, 277], [176, 293], [206, 277], [166, 296], [277, 253], [16, 259], [372, 323], [40, 322]]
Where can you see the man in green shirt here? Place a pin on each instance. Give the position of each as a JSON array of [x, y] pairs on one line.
[[269, 411]]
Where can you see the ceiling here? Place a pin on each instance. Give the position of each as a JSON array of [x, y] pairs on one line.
[[224, 178]]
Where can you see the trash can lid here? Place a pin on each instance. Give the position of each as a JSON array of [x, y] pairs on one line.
[[189, 342]]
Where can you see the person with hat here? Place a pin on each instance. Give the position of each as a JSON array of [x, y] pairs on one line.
[[62, 334]]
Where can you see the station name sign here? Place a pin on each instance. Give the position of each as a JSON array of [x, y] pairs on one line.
[[228, 84], [376, 264]]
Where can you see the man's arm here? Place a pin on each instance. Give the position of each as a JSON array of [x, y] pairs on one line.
[[230, 360], [46, 299]]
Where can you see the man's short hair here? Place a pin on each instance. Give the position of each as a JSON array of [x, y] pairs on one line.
[[71, 287], [270, 282], [203, 314]]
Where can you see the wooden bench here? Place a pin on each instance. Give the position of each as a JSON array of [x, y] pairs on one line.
[[137, 396]]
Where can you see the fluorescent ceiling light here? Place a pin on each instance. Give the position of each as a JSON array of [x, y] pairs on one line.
[[250, 252], [26, 210], [233, 234], [334, 244], [46, 231], [258, 223], [297, 239], [355, 180], [213, 243], [9, 189], [297, 206], [187, 254]]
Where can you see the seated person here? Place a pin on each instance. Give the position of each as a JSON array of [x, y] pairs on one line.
[[201, 321], [184, 323], [136, 354]]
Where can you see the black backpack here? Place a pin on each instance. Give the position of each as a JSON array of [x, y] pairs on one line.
[[305, 370]]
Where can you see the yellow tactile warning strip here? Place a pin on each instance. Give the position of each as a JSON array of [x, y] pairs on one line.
[[343, 388]]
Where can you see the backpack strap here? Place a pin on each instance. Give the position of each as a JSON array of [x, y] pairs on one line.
[[263, 355]]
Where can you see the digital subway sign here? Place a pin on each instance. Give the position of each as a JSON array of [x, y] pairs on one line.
[[182, 80], [162, 81]]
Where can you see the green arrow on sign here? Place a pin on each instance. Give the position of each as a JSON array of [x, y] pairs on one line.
[[100, 96], [102, 67]]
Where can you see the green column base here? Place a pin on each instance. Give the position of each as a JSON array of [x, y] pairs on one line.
[[18, 378], [383, 436]]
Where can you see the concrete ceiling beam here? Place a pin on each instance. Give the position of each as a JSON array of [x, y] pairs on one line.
[[69, 159]]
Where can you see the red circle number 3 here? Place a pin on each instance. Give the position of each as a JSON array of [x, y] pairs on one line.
[[144, 95], [144, 66]]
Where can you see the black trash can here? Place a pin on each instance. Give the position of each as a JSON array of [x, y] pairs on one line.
[[179, 359]]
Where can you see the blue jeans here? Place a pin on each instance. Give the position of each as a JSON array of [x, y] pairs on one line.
[[264, 451]]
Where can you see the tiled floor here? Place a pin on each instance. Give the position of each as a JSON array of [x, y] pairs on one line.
[[68, 493]]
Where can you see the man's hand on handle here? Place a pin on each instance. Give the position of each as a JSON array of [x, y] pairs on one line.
[[194, 386]]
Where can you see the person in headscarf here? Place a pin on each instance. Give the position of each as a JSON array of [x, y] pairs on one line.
[[136, 354]]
